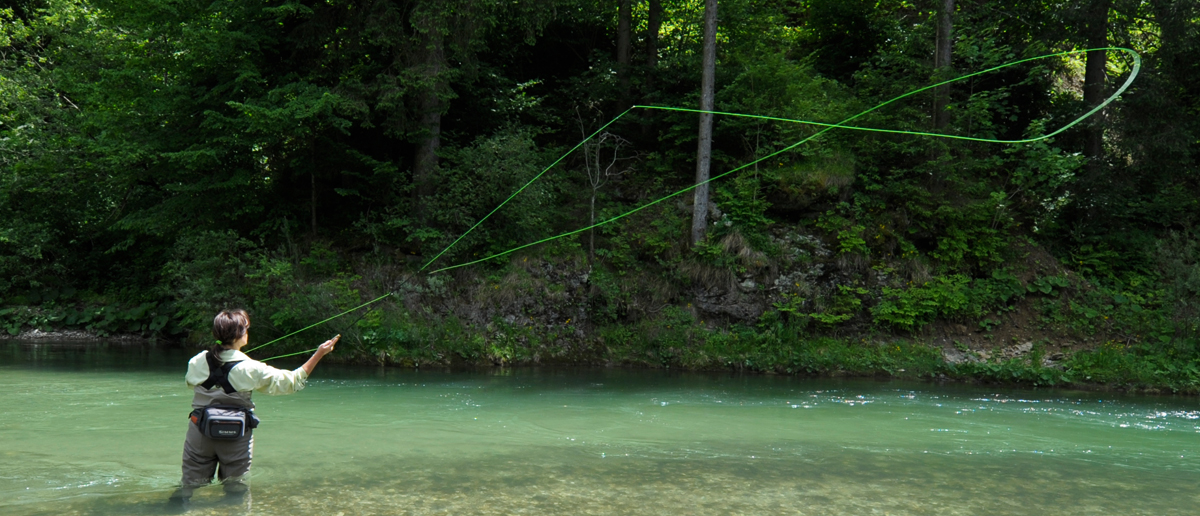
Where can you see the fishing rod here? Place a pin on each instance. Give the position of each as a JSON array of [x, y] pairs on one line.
[[1137, 65]]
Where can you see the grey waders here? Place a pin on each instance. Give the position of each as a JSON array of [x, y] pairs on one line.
[[204, 456]]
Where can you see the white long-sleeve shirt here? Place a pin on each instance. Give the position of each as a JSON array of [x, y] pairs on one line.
[[248, 376]]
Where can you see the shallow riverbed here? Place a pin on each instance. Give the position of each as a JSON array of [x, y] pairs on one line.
[[99, 430]]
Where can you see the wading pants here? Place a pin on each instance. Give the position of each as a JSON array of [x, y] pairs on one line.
[[202, 456]]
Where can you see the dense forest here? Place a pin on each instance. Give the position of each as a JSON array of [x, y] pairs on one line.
[[162, 159]]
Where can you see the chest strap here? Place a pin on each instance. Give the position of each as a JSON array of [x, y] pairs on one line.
[[218, 373]]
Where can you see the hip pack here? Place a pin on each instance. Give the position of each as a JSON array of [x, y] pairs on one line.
[[224, 421]]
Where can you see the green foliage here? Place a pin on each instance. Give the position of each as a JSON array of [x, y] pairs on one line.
[[948, 297], [971, 232], [648, 239], [1047, 284], [1011, 371], [847, 34], [313, 302], [1137, 367], [321, 261], [164, 160], [849, 235], [676, 339], [1040, 176], [1178, 256], [744, 205], [1112, 363], [22, 252], [391, 335], [917, 305], [793, 305], [842, 307], [206, 275], [665, 340], [987, 324], [147, 319], [477, 178], [609, 302], [1001, 289]]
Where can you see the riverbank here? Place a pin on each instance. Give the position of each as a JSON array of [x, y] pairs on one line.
[[809, 310], [1109, 367], [82, 336]]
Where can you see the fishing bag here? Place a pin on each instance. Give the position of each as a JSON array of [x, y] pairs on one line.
[[224, 421]]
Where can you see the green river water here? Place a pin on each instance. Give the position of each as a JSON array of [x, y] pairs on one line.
[[99, 430]]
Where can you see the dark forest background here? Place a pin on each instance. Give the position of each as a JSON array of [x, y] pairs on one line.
[[161, 159]]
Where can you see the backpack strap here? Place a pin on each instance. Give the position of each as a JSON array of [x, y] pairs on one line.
[[218, 373]]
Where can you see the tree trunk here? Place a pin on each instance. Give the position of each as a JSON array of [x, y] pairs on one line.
[[1094, 79], [704, 147], [312, 177], [592, 231], [429, 106], [653, 26], [945, 46], [312, 183], [624, 20]]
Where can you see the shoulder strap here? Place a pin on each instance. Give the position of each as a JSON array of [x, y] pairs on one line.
[[218, 373]]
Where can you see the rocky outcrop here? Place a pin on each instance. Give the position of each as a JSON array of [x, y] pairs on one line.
[[959, 356], [743, 302]]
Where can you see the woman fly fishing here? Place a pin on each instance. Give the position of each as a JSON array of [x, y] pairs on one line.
[[220, 428]]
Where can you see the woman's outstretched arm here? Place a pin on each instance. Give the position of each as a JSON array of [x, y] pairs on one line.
[[323, 350]]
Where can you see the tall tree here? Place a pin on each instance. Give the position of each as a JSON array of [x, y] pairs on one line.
[[402, 63], [704, 147], [624, 21], [845, 34], [1094, 80], [653, 26], [431, 63], [944, 48]]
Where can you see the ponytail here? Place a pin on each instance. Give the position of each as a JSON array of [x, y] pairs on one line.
[[215, 351], [228, 326]]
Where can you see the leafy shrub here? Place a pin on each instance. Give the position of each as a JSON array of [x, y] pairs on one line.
[[151, 319], [843, 306], [1047, 284], [22, 262], [207, 273], [1001, 289], [913, 307], [849, 235], [743, 204], [475, 179], [1178, 257]]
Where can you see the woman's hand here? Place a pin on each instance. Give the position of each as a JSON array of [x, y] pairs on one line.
[[322, 350], [326, 347]]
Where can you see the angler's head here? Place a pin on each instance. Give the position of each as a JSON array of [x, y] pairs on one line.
[[230, 327]]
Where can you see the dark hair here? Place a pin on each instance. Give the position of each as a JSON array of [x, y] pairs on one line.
[[228, 326]]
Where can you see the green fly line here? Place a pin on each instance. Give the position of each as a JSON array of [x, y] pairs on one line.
[[371, 302], [1137, 65]]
